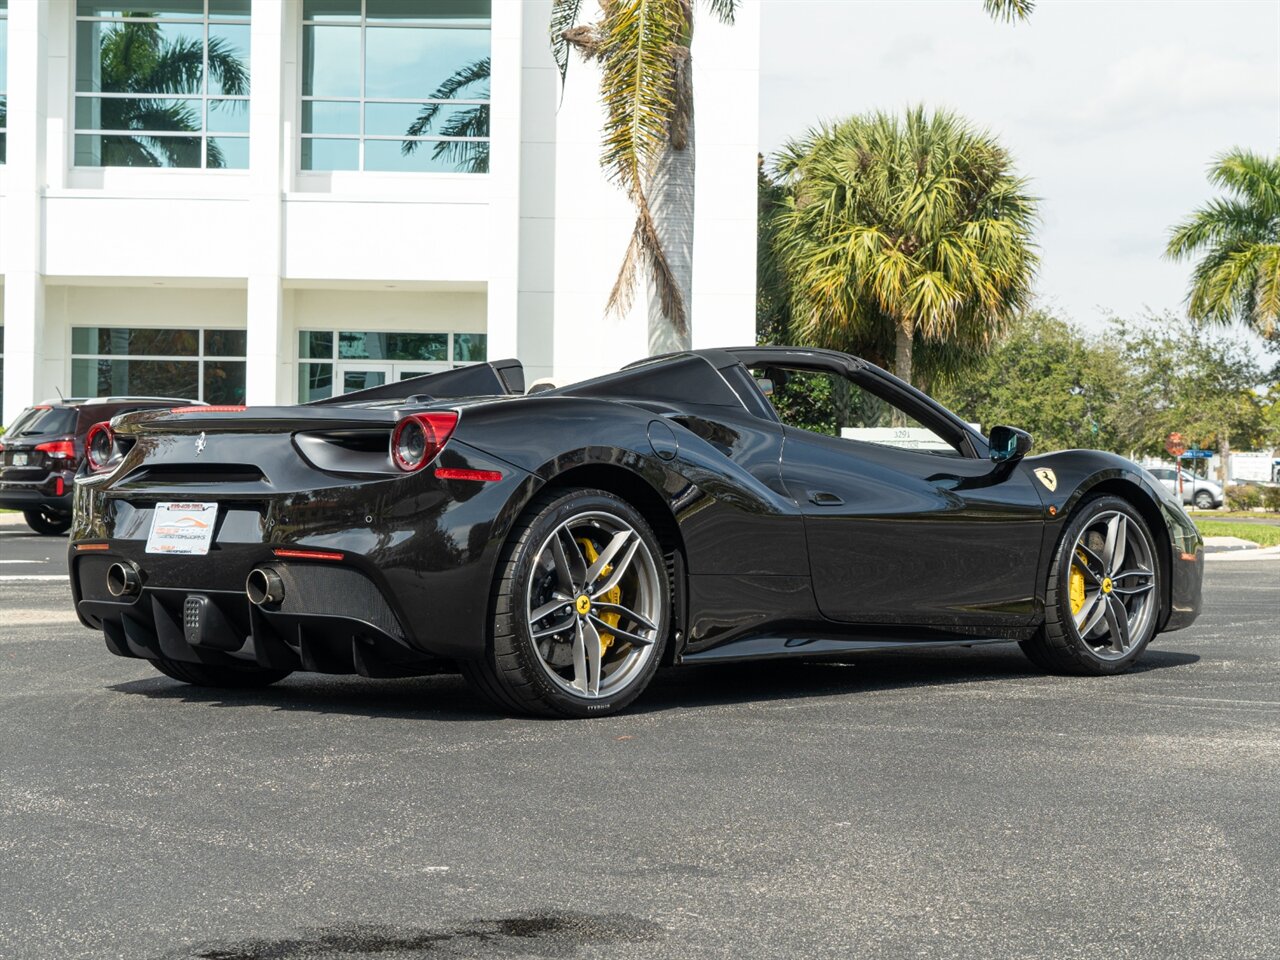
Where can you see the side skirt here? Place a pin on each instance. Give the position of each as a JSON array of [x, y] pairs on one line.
[[772, 648]]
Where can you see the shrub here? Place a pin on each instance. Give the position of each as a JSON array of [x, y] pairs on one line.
[[1271, 498], [1243, 498]]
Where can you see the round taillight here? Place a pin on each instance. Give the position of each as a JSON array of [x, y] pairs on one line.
[[419, 438], [99, 446]]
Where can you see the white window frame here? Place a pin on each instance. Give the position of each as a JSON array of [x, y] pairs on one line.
[[203, 96], [198, 359], [362, 101]]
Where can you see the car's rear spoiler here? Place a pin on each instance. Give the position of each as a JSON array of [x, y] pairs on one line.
[[496, 378]]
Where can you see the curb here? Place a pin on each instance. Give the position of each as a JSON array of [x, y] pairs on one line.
[[1252, 553]]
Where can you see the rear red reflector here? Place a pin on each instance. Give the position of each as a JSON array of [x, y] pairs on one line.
[[307, 554], [93, 546], [453, 473], [58, 448], [58, 487], [228, 408]]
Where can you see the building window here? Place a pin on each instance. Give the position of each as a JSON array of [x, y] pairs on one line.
[[395, 85], [340, 362], [194, 364], [166, 85], [4, 76]]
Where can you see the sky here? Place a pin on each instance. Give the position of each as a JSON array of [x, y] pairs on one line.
[[1112, 108]]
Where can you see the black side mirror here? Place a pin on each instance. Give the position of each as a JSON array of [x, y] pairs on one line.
[[1008, 444]]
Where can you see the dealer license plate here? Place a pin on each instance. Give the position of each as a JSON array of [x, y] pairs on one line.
[[182, 528], [19, 459]]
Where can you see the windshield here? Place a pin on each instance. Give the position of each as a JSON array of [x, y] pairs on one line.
[[43, 421]]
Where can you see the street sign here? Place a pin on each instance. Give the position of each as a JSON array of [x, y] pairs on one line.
[[1196, 455]]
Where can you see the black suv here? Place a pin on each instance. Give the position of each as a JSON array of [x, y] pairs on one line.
[[41, 451]]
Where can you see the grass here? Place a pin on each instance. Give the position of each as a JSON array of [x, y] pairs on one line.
[[1234, 514], [1260, 533]]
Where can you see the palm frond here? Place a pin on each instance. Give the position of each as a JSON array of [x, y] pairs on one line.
[[474, 73], [564, 17], [638, 39], [1009, 10], [726, 10]]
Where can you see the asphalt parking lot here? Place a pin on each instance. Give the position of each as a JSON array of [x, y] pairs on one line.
[[938, 805]]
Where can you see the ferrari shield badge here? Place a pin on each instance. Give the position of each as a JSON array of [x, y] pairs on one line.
[[1047, 477]]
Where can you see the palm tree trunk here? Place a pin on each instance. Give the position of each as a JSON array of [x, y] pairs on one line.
[[1224, 454], [902, 353], [671, 200]]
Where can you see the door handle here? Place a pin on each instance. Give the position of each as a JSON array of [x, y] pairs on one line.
[[824, 499]]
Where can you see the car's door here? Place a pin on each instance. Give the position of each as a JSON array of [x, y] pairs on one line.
[[905, 523]]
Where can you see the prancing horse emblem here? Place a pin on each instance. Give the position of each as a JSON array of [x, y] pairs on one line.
[[200, 445], [1043, 474]]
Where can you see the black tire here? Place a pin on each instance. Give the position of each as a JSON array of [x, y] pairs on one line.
[[46, 521], [1058, 647], [1204, 500], [511, 674], [210, 675]]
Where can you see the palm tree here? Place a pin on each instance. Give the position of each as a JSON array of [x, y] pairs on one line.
[[1238, 236], [471, 156], [135, 58], [913, 228], [646, 85]]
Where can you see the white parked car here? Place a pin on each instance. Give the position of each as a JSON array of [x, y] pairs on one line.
[[1205, 494]]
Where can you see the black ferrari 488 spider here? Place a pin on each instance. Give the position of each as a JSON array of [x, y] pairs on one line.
[[558, 547]]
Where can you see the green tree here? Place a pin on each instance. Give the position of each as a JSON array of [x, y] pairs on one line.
[[644, 48], [1185, 378], [1237, 238], [898, 231], [1045, 376], [136, 58]]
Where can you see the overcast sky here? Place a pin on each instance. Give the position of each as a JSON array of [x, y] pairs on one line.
[[1112, 108]]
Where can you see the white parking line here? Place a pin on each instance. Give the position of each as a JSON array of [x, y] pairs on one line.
[[32, 577]]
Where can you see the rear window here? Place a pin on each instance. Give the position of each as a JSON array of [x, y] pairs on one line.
[[35, 421]]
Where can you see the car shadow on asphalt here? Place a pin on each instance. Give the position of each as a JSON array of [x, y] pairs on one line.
[[866, 673], [449, 698]]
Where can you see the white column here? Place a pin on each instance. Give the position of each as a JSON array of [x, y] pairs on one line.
[[539, 98], [23, 210], [504, 181], [264, 220], [726, 95]]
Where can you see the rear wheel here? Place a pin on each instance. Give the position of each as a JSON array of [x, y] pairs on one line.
[[45, 521], [210, 675], [1103, 600], [1204, 500], [581, 609]]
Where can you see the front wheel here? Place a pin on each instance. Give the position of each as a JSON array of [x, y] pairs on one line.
[[211, 675], [46, 521], [580, 612], [1103, 597]]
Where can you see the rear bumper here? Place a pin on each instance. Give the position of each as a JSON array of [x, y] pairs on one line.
[[15, 495], [408, 588]]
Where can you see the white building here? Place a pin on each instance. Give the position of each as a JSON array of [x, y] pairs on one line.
[[221, 201]]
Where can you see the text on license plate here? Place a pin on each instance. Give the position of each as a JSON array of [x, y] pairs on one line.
[[19, 459], [182, 528]]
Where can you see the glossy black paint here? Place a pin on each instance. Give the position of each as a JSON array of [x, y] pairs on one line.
[[904, 548]]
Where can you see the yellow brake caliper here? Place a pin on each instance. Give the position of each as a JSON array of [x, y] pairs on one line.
[[1076, 584], [615, 595]]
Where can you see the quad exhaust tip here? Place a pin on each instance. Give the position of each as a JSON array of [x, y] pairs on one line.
[[263, 586], [124, 579]]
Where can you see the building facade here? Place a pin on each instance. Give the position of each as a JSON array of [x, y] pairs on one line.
[[268, 201]]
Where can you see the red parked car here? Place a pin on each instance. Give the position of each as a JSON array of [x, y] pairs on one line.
[[42, 450]]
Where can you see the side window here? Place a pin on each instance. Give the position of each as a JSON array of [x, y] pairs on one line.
[[1162, 474], [828, 403]]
